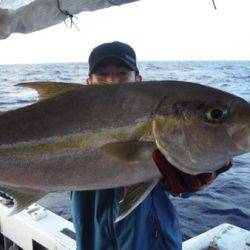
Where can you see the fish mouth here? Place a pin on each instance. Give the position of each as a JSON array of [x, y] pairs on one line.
[[240, 135]]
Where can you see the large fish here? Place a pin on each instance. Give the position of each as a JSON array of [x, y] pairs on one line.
[[80, 137]]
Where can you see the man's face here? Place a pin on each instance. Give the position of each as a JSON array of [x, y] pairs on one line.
[[113, 73]]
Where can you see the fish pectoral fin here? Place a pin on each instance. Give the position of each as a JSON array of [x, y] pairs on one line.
[[23, 198], [48, 90], [130, 151], [134, 196]]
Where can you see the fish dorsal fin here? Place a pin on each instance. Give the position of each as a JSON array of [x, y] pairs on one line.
[[48, 90], [134, 196], [23, 198], [131, 151]]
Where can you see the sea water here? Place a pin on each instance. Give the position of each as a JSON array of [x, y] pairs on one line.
[[225, 200]]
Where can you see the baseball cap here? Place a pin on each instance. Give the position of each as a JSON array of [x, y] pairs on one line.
[[118, 50]]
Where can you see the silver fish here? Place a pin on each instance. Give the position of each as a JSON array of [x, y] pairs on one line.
[[80, 137]]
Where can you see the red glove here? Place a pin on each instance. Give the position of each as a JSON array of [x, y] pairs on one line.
[[177, 182]]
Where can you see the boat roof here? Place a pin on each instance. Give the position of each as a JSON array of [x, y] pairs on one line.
[[26, 16]]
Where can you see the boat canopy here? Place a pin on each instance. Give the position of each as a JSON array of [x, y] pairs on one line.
[[25, 16]]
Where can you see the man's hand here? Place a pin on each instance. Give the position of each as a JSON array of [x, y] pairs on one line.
[[177, 182]]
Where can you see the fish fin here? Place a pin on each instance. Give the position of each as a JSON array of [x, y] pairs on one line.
[[48, 90], [142, 132], [134, 196], [130, 151], [23, 198]]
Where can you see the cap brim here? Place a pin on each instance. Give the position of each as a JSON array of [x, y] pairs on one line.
[[126, 62]]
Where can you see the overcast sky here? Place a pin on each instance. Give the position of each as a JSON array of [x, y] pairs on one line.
[[157, 29]]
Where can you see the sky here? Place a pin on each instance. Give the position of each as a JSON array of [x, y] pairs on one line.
[[159, 30]]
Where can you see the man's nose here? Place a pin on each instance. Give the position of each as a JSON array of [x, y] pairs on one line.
[[112, 78]]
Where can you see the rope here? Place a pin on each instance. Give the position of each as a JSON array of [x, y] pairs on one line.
[[68, 15], [112, 3], [214, 5]]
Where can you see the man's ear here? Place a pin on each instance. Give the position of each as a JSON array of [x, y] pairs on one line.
[[88, 81], [138, 78]]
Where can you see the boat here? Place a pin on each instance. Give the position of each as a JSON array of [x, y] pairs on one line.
[[34, 228], [37, 228]]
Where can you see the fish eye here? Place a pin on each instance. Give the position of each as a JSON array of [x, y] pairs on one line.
[[216, 114]]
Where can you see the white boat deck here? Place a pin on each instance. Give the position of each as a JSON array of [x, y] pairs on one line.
[[222, 237], [38, 228]]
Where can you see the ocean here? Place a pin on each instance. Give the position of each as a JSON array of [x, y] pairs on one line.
[[226, 200]]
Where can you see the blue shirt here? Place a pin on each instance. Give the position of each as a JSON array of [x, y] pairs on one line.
[[153, 225]]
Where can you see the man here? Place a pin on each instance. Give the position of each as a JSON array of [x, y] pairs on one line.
[[154, 224]]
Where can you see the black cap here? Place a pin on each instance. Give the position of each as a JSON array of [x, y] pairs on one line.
[[121, 51]]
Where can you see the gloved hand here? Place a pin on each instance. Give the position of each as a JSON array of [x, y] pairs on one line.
[[177, 183]]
